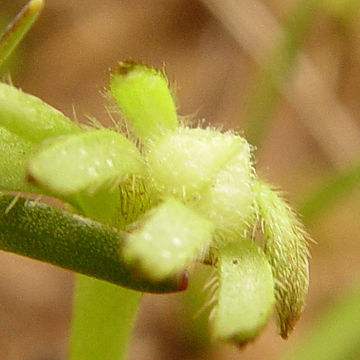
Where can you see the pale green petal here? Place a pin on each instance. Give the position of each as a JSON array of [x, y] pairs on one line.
[[87, 161], [182, 163], [144, 97], [167, 239], [228, 201], [245, 294]]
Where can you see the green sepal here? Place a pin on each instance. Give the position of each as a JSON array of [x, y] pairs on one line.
[[287, 251], [166, 240], [144, 97], [85, 162], [49, 234], [31, 118], [245, 293]]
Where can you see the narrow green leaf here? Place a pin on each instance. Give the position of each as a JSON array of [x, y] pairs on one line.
[[329, 192], [277, 69], [17, 29], [14, 152], [334, 334], [85, 162], [46, 233], [344, 10], [245, 293], [103, 319], [143, 95], [31, 118], [167, 238], [287, 252]]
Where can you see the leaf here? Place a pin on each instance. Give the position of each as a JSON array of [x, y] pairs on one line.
[[85, 162], [18, 28], [30, 118], [73, 242], [245, 293], [344, 11], [143, 95], [335, 333], [274, 73], [329, 192]]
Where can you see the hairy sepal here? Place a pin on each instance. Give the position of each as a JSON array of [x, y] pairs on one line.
[[31, 118], [287, 251], [166, 240], [245, 292], [136, 197], [144, 97], [84, 162]]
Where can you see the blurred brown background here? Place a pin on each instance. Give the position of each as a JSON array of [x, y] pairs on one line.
[[213, 49]]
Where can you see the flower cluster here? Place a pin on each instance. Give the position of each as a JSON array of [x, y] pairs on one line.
[[181, 195]]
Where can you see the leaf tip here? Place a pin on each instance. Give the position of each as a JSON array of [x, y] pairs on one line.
[[35, 6]]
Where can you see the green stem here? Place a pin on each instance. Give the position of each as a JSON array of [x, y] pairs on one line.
[[17, 29], [277, 69], [103, 319], [103, 314]]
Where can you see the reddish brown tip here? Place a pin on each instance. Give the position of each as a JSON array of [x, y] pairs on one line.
[[183, 281]]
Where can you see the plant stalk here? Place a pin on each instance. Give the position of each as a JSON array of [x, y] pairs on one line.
[[18, 28]]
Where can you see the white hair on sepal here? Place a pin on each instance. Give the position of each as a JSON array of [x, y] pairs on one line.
[[286, 239], [93, 122], [12, 203], [210, 287], [117, 125]]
